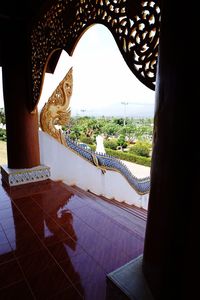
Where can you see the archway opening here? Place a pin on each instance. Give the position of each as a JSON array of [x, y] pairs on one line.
[[92, 116], [107, 101]]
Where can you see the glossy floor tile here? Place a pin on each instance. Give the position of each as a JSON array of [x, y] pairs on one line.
[[59, 242]]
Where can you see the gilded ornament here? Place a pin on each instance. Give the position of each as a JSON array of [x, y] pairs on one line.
[[56, 111]]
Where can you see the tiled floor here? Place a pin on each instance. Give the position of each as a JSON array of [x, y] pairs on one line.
[[57, 242]]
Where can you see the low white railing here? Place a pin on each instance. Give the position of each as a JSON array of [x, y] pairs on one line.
[[73, 169]]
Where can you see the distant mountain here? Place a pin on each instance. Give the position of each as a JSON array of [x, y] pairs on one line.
[[118, 110]]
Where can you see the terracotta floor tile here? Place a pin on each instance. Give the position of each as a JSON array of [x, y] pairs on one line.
[[81, 267], [73, 251], [108, 256], [75, 202], [88, 238], [5, 204], [50, 202], [35, 263], [93, 288], [16, 220], [19, 291], [27, 245], [10, 273], [6, 213], [132, 225], [77, 228], [3, 238], [104, 208], [52, 222], [123, 240], [86, 212], [114, 231], [38, 227], [6, 253], [68, 223], [5, 248], [69, 294], [97, 221], [29, 189], [65, 250], [133, 246], [48, 282], [25, 232], [31, 212], [63, 238], [23, 202], [61, 242], [4, 197]]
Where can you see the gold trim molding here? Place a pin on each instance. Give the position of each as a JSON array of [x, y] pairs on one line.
[[56, 111]]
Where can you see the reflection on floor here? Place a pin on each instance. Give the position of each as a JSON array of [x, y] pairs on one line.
[[58, 242]]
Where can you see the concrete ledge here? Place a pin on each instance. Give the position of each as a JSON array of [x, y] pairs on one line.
[[128, 282], [13, 177]]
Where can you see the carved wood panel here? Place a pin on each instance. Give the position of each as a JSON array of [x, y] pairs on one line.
[[133, 23]]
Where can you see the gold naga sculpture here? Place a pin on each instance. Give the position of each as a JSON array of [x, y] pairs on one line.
[[56, 111]]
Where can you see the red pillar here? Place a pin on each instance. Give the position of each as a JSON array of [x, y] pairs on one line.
[[21, 125], [171, 257]]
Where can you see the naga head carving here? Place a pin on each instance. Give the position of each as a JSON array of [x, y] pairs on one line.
[[56, 111]]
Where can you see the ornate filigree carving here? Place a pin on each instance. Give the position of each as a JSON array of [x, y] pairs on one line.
[[56, 111], [133, 23]]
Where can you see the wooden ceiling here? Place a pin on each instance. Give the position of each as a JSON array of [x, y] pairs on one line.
[[26, 11], [20, 9]]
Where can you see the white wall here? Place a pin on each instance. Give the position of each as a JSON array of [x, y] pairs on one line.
[[74, 170]]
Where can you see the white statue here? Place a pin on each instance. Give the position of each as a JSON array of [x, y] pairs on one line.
[[100, 146]]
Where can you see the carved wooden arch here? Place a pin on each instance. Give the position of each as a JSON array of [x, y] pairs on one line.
[[133, 23]]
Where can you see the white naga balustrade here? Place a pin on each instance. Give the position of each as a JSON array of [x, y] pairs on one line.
[[68, 166]]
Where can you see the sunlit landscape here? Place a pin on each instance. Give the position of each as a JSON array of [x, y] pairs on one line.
[[107, 99], [103, 84]]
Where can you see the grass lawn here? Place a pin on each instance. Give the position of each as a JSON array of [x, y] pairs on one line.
[[3, 153]]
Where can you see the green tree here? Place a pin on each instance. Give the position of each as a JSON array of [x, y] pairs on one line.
[[121, 141], [86, 139], [135, 129], [110, 129], [128, 131], [111, 144], [76, 131], [3, 135], [2, 116], [141, 148], [118, 121]]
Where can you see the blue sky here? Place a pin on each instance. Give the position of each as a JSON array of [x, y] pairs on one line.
[[101, 79]]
